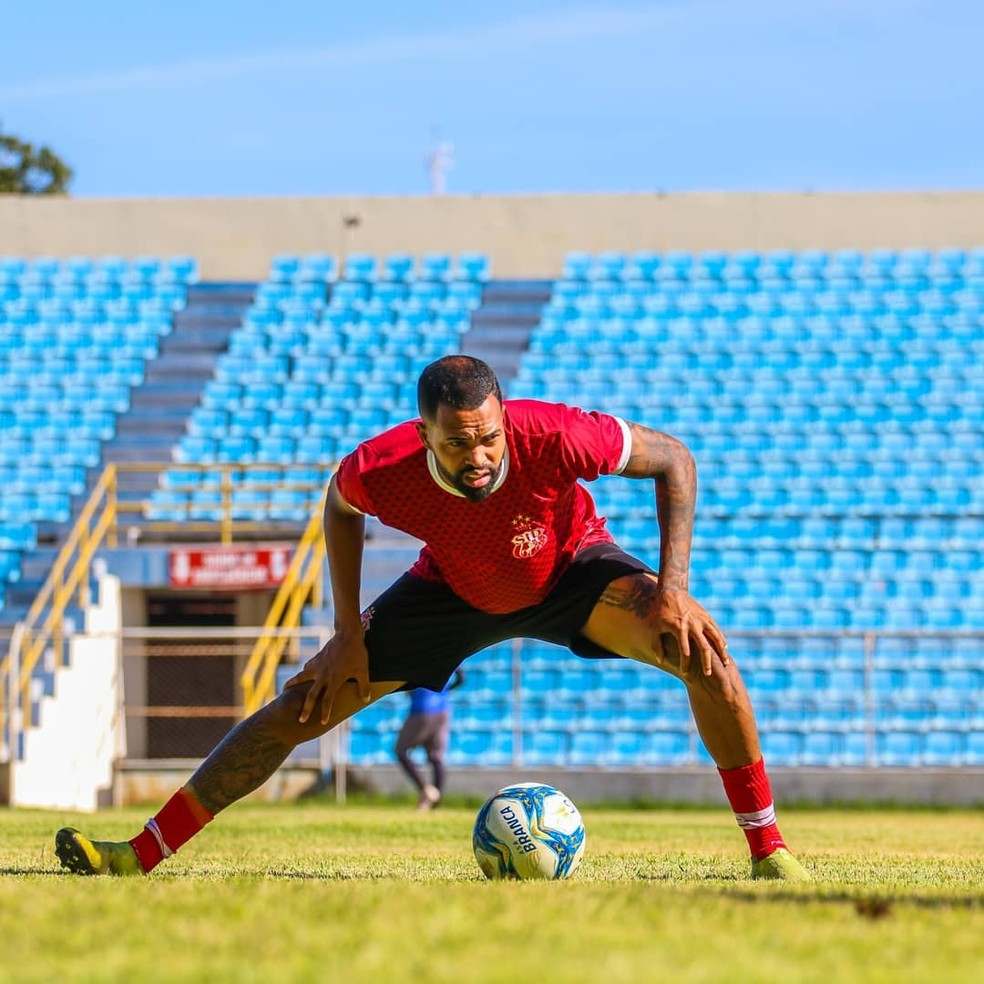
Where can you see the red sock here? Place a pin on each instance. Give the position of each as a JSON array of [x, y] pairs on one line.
[[750, 796], [177, 821]]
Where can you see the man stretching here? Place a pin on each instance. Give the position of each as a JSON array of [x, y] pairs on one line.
[[514, 548]]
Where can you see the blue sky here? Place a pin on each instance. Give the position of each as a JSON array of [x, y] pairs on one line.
[[318, 97]]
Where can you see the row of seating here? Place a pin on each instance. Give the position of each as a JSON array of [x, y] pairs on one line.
[[715, 264], [816, 650], [610, 711], [356, 297], [642, 336], [397, 267], [250, 505], [147, 301], [877, 468], [402, 338], [729, 308], [837, 497], [632, 748], [642, 352], [667, 282], [341, 323], [704, 363], [289, 421], [112, 268]]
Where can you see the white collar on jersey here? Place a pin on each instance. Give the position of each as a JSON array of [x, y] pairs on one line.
[[440, 479]]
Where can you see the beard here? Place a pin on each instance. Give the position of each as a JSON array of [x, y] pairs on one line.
[[469, 491]]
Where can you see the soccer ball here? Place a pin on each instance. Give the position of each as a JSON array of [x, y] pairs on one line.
[[529, 830]]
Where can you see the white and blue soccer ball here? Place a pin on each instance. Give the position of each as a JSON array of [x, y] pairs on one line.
[[529, 830]]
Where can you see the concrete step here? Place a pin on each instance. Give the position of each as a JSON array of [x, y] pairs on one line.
[[170, 396], [218, 292], [36, 564], [149, 450], [516, 289], [503, 320], [167, 363], [214, 316], [154, 413], [526, 313], [205, 338], [129, 428]]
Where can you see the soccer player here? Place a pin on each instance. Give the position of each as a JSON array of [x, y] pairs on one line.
[[513, 548], [427, 726]]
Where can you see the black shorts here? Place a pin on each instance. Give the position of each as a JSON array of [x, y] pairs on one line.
[[420, 631]]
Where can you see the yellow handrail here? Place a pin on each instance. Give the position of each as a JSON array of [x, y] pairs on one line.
[[75, 556], [98, 522], [301, 582]]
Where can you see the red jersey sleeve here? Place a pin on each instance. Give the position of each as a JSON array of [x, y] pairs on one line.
[[593, 443], [349, 480]]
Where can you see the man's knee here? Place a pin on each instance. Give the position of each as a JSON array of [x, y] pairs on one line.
[[723, 685], [280, 716]]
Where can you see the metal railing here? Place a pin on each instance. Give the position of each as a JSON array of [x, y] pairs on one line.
[[185, 684], [121, 502], [44, 623], [868, 719], [139, 514], [301, 585]]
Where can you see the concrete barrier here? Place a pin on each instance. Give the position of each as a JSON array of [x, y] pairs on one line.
[[910, 787], [526, 235]]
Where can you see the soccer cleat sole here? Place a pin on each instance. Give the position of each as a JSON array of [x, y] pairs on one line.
[[72, 854]]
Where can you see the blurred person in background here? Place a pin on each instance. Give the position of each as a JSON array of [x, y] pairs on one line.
[[427, 726]]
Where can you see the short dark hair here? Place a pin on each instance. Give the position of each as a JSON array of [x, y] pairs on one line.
[[460, 381]]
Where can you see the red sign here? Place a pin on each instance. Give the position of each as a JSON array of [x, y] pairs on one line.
[[233, 568]]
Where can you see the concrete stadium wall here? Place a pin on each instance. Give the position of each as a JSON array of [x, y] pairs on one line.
[[152, 781], [702, 786], [526, 236]]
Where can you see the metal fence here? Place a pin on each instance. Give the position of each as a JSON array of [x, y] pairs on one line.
[[822, 698], [182, 691]]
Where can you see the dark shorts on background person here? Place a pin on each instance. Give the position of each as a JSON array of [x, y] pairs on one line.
[[420, 631], [427, 731]]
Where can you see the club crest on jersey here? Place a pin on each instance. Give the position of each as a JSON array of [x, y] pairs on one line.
[[530, 537]]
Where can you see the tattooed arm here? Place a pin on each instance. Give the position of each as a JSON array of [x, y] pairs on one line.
[[663, 458], [671, 465]]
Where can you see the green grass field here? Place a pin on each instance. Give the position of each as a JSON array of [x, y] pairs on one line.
[[379, 893]]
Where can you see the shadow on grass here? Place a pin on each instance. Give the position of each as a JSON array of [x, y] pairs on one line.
[[47, 872], [872, 905]]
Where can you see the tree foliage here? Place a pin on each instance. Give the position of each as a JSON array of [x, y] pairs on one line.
[[29, 170]]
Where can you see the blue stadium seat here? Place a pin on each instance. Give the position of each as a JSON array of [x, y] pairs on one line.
[[434, 266], [472, 266], [545, 747]]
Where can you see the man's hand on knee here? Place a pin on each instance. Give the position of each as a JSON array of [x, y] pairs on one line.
[[344, 658], [679, 616]]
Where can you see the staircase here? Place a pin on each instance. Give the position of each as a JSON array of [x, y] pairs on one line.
[[176, 378], [501, 327]]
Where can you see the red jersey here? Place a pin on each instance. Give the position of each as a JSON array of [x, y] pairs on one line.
[[507, 551]]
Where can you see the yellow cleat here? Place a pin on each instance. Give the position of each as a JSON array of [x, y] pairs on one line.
[[780, 865], [87, 857]]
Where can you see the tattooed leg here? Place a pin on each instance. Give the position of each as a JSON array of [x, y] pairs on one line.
[[240, 763], [623, 623], [257, 747]]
